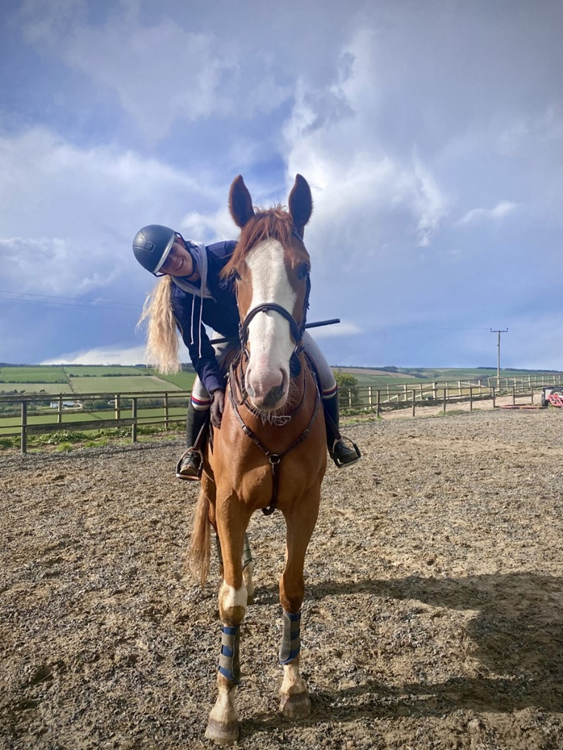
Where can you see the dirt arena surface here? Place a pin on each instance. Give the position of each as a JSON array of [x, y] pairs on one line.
[[433, 614]]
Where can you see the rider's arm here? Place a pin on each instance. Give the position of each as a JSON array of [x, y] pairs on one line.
[[197, 342]]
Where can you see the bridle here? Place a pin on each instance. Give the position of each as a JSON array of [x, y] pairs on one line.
[[296, 330], [236, 382]]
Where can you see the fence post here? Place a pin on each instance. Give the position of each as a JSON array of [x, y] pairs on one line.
[[470, 397], [23, 439], [513, 395], [134, 417], [378, 402], [494, 397], [445, 397], [60, 410], [413, 402], [117, 405], [435, 391], [459, 387], [370, 400], [166, 414]]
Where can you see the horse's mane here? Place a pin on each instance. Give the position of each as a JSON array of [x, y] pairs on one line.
[[275, 223]]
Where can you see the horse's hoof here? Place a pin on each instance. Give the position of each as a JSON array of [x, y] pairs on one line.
[[296, 706], [222, 734], [250, 598]]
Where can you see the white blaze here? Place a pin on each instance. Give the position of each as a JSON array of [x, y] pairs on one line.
[[268, 333]]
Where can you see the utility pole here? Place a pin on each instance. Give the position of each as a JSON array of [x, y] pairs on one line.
[[504, 330]]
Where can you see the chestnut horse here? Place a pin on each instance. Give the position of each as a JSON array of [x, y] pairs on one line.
[[270, 451]]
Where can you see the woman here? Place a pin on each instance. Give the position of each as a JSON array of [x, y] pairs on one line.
[[190, 295]]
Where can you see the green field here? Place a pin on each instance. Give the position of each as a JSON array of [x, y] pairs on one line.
[[9, 425], [121, 384], [184, 380], [77, 379], [88, 371], [32, 375], [410, 375], [49, 388]]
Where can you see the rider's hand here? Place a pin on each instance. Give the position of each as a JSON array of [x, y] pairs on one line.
[[217, 406]]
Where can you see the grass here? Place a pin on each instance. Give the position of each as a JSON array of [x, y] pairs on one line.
[[9, 424], [52, 389], [32, 375], [121, 384], [88, 371]]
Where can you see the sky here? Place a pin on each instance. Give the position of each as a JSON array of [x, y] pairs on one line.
[[430, 132]]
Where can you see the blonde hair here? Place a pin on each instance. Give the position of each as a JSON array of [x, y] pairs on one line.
[[162, 328]]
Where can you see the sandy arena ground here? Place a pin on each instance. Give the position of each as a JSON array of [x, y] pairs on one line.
[[433, 613]]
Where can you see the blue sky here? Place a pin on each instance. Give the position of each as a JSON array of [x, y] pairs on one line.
[[430, 131]]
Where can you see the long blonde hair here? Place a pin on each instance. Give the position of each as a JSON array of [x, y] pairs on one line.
[[162, 328]]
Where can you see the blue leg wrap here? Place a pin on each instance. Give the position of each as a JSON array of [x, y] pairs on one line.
[[291, 640], [229, 665]]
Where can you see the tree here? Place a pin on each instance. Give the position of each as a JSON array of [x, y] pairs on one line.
[[348, 389]]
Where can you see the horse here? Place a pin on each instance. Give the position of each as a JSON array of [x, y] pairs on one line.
[[270, 450]]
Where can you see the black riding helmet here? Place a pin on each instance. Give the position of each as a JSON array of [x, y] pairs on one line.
[[152, 244]]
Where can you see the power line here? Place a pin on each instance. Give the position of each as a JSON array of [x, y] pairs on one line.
[[52, 299]]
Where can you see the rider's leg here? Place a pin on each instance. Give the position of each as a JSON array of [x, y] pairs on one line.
[[189, 465], [341, 454]]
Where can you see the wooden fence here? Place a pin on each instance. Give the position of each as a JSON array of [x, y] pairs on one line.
[[36, 414]]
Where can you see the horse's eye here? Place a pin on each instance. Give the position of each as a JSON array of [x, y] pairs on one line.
[[236, 275], [303, 271]]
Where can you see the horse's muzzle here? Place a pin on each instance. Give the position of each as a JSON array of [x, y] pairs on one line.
[[268, 396]]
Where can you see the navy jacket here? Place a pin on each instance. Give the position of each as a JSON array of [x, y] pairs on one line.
[[219, 313]]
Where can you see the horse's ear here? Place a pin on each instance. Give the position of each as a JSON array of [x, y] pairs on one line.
[[300, 202], [240, 202]]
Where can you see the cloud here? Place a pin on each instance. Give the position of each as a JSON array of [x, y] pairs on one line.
[[103, 356], [336, 331], [359, 184], [160, 72], [499, 212], [79, 209]]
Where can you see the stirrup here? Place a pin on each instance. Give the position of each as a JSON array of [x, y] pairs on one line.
[[352, 459], [190, 465]]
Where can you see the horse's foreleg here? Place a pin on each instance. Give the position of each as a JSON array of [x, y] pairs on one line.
[[247, 567], [223, 725], [295, 703]]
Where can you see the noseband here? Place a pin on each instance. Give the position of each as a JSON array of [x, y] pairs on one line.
[[296, 330]]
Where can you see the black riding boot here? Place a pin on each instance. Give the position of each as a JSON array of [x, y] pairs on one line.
[[341, 454], [190, 464]]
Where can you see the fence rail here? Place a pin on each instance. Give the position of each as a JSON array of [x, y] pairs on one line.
[[37, 414], [24, 415], [362, 398]]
